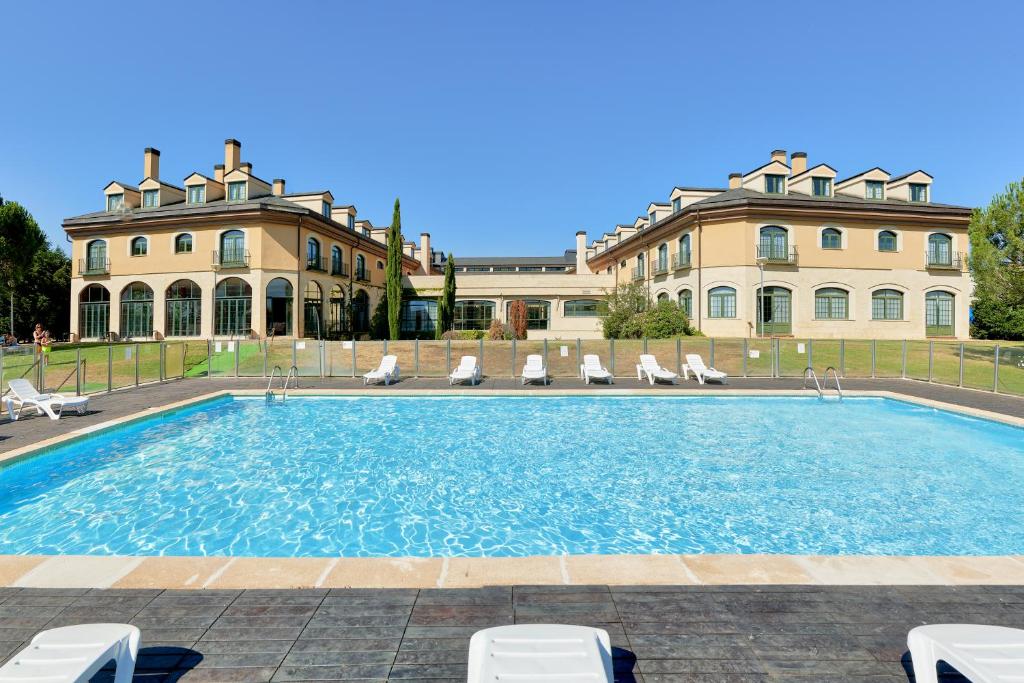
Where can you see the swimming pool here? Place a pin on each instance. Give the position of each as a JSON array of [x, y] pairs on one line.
[[515, 476]]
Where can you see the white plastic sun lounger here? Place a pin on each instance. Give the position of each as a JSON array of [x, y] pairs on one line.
[[592, 369], [695, 364], [388, 371], [467, 369], [540, 652], [75, 653], [984, 654], [648, 366], [534, 369], [24, 395]]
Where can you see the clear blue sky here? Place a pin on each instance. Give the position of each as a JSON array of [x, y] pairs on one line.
[[505, 127]]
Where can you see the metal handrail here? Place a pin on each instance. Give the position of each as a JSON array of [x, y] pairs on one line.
[[835, 375], [292, 374], [810, 371], [270, 392]]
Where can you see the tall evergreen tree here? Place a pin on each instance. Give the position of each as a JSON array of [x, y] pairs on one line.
[[446, 304], [997, 265], [20, 240], [394, 273]]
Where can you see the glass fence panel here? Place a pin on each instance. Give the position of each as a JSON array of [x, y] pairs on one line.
[[59, 370], [279, 354], [917, 360], [1011, 369], [17, 364], [824, 353], [857, 358], [405, 352], [700, 346], [728, 356], [149, 362], [946, 363], [792, 357], [94, 369], [368, 355], [627, 355], [174, 359], [250, 358], [600, 348], [433, 358], [524, 348], [664, 350], [759, 357], [122, 366], [307, 358], [196, 361], [338, 358], [979, 366], [562, 360], [889, 358], [498, 358]]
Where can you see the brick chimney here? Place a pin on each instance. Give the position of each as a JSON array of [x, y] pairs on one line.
[[218, 173], [232, 154], [735, 180], [151, 163], [581, 253], [799, 162], [245, 167], [779, 155], [425, 254], [278, 187]]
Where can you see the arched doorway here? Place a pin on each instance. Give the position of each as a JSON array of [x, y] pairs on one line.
[[360, 312], [337, 313], [776, 306], [938, 314], [136, 311], [184, 309], [233, 307], [312, 307], [94, 312], [279, 307]]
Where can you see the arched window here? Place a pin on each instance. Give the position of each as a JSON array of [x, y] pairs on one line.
[[776, 310], [338, 313], [683, 257], [337, 264], [663, 259], [380, 265], [940, 250], [140, 246], [233, 307], [638, 272], [584, 308], [313, 260], [313, 306], [473, 315], [685, 300], [938, 314], [722, 302], [232, 249], [360, 312], [136, 311], [419, 316], [774, 244], [96, 258], [886, 304], [662, 296], [887, 240], [184, 300], [279, 307], [831, 239], [831, 303], [183, 244], [361, 273], [94, 312], [537, 314]]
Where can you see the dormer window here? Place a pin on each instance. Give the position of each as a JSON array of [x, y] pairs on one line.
[[325, 209], [237, 191], [150, 198], [918, 192], [874, 189], [652, 218], [197, 194], [115, 202], [774, 184], [822, 187], [351, 222], [677, 205]]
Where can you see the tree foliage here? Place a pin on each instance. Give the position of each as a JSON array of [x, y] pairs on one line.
[[997, 265], [632, 316], [20, 239], [41, 275], [446, 304], [393, 274], [517, 318], [379, 321]]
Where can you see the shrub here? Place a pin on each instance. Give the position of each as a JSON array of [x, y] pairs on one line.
[[517, 318], [500, 332], [666, 319], [464, 335], [625, 304]]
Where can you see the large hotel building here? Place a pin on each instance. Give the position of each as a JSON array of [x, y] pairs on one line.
[[785, 249]]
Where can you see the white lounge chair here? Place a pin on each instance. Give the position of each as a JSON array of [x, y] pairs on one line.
[[534, 369], [388, 371], [648, 366], [75, 653], [24, 395], [592, 369], [695, 364], [467, 369], [540, 652], [983, 654]]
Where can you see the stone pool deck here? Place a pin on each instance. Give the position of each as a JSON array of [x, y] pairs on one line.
[[727, 634]]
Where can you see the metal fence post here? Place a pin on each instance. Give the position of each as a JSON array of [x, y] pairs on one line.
[[995, 372], [611, 353], [448, 357], [645, 349], [321, 344], [679, 356], [209, 358], [184, 355], [266, 348], [78, 370], [810, 352], [416, 357], [746, 350], [295, 354], [481, 356], [354, 342], [238, 352], [161, 361], [545, 353], [711, 351], [931, 358], [873, 359], [385, 347], [136, 364], [513, 370], [579, 353], [110, 367], [903, 362], [842, 357], [1, 366], [960, 381]]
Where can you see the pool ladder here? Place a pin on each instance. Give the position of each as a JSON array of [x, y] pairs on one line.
[[291, 377], [809, 372]]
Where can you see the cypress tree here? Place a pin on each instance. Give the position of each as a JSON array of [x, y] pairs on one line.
[[446, 304], [394, 273]]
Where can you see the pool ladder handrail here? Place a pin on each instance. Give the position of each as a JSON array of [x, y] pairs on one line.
[[835, 376], [293, 375], [269, 395], [809, 371]]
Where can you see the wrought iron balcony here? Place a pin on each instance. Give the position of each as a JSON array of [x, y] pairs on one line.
[[94, 266], [944, 261], [774, 253], [231, 258], [362, 275], [339, 269], [638, 274], [317, 263], [661, 267], [680, 261]]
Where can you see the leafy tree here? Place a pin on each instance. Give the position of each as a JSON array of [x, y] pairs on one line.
[[665, 320], [20, 240], [446, 304], [379, 321], [394, 273], [517, 318], [625, 303], [997, 265]]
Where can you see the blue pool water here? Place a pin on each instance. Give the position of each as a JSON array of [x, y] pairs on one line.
[[453, 476]]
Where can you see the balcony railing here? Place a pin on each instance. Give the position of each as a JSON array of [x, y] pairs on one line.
[[944, 261], [661, 267], [318, 263], [362, 275], [231, 258], [638, 274], [339, 269], [94, 266], [774, 253], [680, 261]]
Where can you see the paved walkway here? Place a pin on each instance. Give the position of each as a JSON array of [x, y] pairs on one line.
[[124, 402], [717, 634]]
